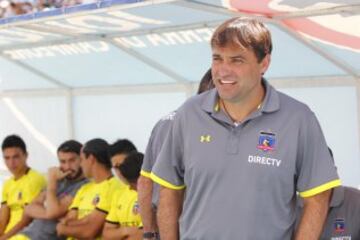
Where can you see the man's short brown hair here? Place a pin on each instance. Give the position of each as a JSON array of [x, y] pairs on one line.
[[245, 33]]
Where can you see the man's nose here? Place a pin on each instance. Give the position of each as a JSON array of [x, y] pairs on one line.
[[223, 69], [66, 166]]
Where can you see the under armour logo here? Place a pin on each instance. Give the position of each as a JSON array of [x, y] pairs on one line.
[[205, 138]]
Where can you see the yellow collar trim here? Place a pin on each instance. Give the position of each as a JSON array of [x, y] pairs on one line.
[[217, 106]]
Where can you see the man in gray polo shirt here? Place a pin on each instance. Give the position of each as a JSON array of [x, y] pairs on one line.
[[53, 203], [343, 220], [241, 151], [149, 192]]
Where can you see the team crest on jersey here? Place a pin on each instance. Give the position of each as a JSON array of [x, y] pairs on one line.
[[339, 225], [96, 199], [266, 141], [19, 196], [136, 208]]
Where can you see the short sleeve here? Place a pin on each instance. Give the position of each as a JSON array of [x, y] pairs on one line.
[[149, 155], [168, 170], [112, 216], [4, 197], [36, 183], [107, 194], [316, 171]]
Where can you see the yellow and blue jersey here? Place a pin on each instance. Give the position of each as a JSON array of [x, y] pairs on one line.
[[17, 193], [125, 209], [97, 196]]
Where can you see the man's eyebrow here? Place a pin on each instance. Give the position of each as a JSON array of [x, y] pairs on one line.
[[237, 56]]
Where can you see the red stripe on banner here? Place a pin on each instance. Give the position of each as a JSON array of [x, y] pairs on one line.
[[316, 30], [255, 7], [303, 25]]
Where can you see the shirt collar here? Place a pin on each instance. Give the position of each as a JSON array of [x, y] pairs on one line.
[[211, 101], [271, 102]]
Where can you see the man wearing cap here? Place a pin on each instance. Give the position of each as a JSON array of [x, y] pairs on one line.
[[91, 204], [50, 205], [148, 191], [22, 188], [235, 156]]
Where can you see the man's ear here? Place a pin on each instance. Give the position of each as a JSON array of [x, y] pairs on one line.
[[265, 63]]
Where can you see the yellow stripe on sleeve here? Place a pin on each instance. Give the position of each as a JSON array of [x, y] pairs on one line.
[[145, 174], [321, 188], [164, 183]]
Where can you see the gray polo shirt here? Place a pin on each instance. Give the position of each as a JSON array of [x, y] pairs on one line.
[[343, 220], [241, 180], [42, 229], [153, 148]]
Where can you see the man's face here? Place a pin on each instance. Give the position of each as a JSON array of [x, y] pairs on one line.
[[15, 159], [70, 162], [116, 160], [236, 72], [85, 164]]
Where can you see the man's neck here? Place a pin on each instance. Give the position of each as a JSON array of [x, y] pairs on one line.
[[133, 186], [101, 174], [76, 179], [21, 173], [239, 111]]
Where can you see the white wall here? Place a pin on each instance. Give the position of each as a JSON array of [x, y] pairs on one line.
[[40, 121], [336, 110], [122, 116]]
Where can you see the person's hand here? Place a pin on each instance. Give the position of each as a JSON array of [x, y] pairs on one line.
[[67, 200], [63, 220], [27, 209], [60, 229], [56, 174]]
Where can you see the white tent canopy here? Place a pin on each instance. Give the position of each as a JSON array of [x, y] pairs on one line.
[[111, 69]]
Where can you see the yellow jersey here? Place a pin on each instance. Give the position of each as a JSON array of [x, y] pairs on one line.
[[17, 193], [125, 209], [19, 237], [93, 196]]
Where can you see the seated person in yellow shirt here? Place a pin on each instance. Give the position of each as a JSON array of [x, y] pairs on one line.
[[24, 185], [53, 203], [91, 204], [123, 220], [119, 151]]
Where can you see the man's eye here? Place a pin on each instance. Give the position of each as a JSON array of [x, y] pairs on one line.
[[238, 60]]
